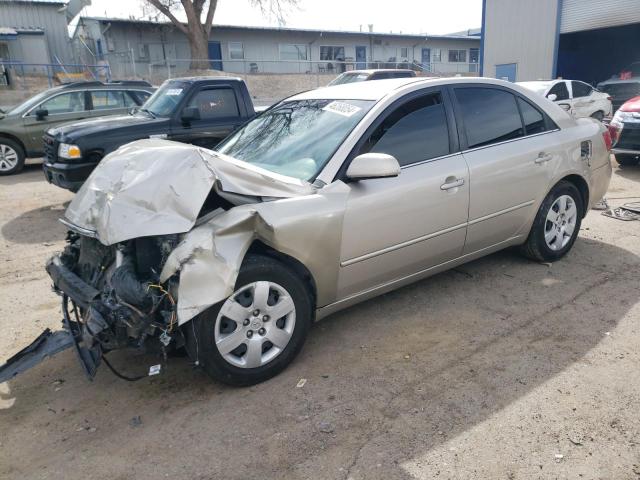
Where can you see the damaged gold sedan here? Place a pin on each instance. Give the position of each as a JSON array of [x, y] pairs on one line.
[[328, 198]]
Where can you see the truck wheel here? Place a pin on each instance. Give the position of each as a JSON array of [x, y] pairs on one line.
[[627, 160], [257, 331], [556, 225], [11, 157]]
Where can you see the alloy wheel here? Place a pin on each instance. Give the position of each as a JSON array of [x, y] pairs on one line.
[[8, 158]]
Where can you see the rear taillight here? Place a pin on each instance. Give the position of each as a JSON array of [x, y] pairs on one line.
[[608, 141]]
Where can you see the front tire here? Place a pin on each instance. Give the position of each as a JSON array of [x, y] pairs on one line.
[[598, 115], [256, 332], [556, 225], [12, 157], [627, 160]]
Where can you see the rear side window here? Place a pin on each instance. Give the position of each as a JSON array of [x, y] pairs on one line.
[[138, 96], [534, 121], [489, 115], [414, 132], [215, 103], [560, 90], [580, 89]]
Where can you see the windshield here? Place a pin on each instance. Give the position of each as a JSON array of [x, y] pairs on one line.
[[349, 78], [24, 106], [296, 138], [164, 100]]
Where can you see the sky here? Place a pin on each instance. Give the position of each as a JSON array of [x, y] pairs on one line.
[[406, 16]]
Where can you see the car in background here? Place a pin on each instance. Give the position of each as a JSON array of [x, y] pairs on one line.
[[373, 74], [623, 86], [197, 110], [21, 128], [627, 122], [580, 99]]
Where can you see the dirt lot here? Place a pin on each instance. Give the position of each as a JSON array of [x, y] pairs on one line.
[[500, 369]]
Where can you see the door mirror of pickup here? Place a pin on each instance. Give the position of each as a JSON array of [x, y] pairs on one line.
[[190, 114], [373, 165], [41, 113]]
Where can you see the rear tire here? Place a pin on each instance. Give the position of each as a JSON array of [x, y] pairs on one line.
[[627, 160], [557, 223], [12, 156], [223, 345]]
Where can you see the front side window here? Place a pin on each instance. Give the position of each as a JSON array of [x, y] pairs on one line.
[[332, 53], [296, 138], [458, 56], [490, 115], [414, 132], [560, 90], [64, 103], [215, 103], [108, 99], [580, 89], [293, 52], [236, 51]]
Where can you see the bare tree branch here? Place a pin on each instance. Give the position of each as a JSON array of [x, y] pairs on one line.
[[166, 10]]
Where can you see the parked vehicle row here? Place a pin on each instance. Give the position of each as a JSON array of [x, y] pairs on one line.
[[21, 128], [330, 197], [627, 122]]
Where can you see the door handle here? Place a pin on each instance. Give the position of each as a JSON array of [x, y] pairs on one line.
[[543, 158], [452, 183]]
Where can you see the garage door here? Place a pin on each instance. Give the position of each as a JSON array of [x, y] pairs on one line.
[[591, 14]]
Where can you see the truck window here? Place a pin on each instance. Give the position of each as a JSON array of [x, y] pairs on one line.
[[215, 103]]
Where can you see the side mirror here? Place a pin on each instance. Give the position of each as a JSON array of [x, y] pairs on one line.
[[189, 114], [565, 106], [552, 96], [373, 165], [41, 113], [133, 110]]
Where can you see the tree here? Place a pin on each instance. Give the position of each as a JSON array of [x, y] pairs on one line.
[[197, 30]]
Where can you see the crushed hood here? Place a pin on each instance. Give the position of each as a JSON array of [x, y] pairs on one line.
[[157, 187]]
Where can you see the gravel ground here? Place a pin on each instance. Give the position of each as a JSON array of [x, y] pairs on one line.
[[501, 369]]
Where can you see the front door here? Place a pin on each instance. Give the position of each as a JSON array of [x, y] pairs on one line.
[[61, 108], [361, 57], [219, 116], [401, 226], [426, 59], [511, 163], [215, 55]]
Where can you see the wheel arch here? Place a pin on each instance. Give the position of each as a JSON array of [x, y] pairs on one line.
[[13, 138], [261, 248], [583, 187]]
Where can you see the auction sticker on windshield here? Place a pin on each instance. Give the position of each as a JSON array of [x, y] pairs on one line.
[[342, 108], [174, 91]]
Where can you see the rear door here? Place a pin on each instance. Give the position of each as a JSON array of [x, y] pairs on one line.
[[62, 108], [397, 227], [220, 113], [511, 150]]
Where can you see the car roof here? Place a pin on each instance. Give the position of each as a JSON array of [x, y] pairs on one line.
[[381, 88]]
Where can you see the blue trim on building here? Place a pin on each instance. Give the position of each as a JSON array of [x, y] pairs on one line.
[[556, 47], [482, 35]]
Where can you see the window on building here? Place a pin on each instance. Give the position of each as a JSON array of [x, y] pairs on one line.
[[293, 52], [215, 103], [64, 103], [580, 89], [414, 132], [560, 90], [457, 56], [108, 99], [436, 55], [404, 52], [332, 53], [490, 115], [532, 117], [474, 55], [236, 51]]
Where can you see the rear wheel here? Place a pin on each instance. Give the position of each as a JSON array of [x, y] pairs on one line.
[[12, 157], [627, 160], [556, 225], [598, 115], [257, 331]]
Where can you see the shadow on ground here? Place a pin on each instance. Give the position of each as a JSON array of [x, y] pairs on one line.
[[40, 225], [389, 380], [30, 173]]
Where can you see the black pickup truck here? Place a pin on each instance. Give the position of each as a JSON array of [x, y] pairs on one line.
[[197, 110]]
